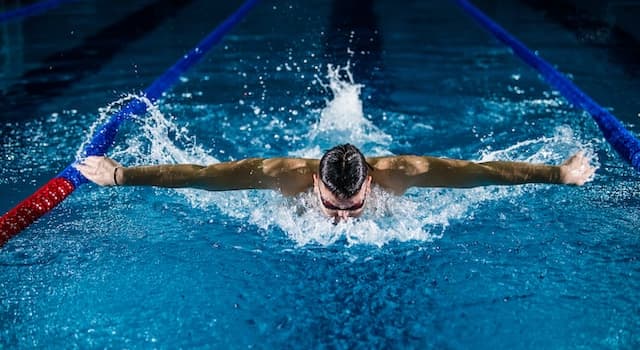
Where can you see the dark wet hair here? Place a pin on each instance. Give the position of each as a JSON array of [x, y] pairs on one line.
[[343, 170]]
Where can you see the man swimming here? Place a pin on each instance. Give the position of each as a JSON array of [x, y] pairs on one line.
[[341, 179]]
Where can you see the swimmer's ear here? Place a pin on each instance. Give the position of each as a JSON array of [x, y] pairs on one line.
[[369, 179], [315, 179]]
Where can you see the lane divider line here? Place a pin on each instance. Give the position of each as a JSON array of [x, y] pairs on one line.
[[31, 10], [60, 187], [621, 139]]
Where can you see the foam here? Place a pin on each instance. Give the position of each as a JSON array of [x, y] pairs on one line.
[[421, 214], [342, 120]]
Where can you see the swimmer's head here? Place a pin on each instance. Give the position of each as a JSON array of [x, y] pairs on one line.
[[343, 181]]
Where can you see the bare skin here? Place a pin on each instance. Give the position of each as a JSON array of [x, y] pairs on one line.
[[291, 176]]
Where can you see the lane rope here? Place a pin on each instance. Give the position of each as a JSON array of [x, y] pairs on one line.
[[60, 187], [621, 139], [31, 10]]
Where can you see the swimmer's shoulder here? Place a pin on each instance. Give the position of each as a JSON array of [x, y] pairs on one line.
[[394, 173], [284, 165], [407, 164], [291, 175]]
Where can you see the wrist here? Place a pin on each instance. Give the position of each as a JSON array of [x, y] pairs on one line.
[[563, 174], [118, 179]]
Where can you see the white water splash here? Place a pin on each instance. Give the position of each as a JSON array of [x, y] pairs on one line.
[[342, 120], [421, 214], [551, 150], [156, 139]]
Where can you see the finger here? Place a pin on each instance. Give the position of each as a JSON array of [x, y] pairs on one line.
[[85, 170], [570, 160], [587, 175], [86, 173], [583, 163], [81, 167], [92, 160]]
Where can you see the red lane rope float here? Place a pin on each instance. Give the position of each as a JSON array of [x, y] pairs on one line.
[[57, 189], [33, 207]]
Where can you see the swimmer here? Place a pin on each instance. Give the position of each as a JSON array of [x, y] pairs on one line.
[[341, 179]]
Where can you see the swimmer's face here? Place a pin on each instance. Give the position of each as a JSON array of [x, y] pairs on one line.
[[341, 209]]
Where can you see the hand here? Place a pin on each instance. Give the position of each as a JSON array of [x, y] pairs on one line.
[[576, 170], [100, 170]]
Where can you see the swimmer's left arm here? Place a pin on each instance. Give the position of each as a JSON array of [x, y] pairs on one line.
[[402, 172]]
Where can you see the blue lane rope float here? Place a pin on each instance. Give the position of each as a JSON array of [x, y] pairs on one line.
[[60, 187], [31, 10], [625, 143]]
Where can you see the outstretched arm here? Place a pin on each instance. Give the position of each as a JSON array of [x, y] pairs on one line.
[[288, 175], [401, 172]]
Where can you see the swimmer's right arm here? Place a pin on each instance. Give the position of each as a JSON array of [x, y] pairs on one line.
[[288, 175]]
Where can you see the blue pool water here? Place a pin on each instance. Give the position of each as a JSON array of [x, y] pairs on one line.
[[534, 266]]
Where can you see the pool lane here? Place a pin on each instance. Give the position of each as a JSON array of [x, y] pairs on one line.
[[55, 73]]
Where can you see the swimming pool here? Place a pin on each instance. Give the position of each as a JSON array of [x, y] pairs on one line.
[[533, 266]]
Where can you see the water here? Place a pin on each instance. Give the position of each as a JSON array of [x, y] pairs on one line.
[[534, 266]]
